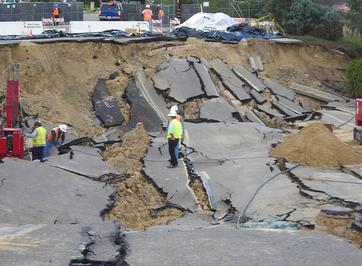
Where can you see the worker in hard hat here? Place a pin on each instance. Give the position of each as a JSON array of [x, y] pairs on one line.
[[148, 15], [174, 136], [174, 109], [55, 138], [39, 136], [56, 14]]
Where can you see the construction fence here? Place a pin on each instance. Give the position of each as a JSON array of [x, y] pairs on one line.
[[35, 11]]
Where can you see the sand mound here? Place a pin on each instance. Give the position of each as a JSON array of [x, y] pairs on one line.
[[316, 146]]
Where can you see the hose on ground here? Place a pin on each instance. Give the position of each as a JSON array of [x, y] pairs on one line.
[[257, 191]]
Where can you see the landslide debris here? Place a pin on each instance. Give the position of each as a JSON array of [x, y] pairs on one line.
[[137, 195], [316, 146]]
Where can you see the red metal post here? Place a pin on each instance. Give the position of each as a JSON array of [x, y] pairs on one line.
[[358, 112]]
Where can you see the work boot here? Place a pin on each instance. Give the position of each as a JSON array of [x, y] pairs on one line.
[[171, 166]]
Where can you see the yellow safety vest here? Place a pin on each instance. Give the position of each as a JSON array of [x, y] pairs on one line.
[[177, 129], [40, 139]]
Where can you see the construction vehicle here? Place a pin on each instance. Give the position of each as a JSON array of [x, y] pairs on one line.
[[11, 134]]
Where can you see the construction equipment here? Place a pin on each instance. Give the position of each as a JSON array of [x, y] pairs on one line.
[[11, 134]]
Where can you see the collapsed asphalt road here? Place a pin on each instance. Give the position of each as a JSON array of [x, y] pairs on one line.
[[62, 211]]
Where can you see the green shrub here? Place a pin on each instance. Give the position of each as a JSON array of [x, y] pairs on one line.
[[354, 77]]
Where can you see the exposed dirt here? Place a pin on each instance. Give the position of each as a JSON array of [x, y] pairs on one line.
[[58, 79], [276, 122], [316, 146], [339, 226], [192, 108], [200, 194], [137, 195]]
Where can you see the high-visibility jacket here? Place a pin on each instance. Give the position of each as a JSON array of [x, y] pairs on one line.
[[56, 11], [58, 134], [177, 129], [40, 138], [147, 14]]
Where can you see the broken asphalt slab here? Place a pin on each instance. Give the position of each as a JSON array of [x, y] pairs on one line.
[[279, 89], [249, 77], [55, 244], [230, 80], [82, 160], [239, 247], [237, 163], [333, 183], [34, 193], [141, 110], [173, 181], [204, 75], [149, 93], [217, 109], [317, 94], [180, 78], [106, 105]]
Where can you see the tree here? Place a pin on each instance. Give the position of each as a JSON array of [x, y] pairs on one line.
[[355, 5]]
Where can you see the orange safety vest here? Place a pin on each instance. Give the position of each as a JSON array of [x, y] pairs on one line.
[[161, 14], [147, 14], [56, 11], [58, 134]]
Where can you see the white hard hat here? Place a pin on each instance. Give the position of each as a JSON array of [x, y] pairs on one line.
[[148, 6], [63, 128], [174, 108], [172, 113]]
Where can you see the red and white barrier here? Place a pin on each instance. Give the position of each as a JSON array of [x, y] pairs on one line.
[[157, 23], [173, 23]]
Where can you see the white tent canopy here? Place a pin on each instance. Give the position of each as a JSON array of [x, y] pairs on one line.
[[209, 21]]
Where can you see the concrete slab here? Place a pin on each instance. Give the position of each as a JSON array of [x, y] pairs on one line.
[[181, 80], [141, 110], [33, 193], [249, 77], [317, 94], [106, 105], [217, 109], [230, 80], [223, 245], [204, 75], [279, 89]]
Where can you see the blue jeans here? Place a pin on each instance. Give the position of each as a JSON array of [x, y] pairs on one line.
[[38, 153], [177, 150], [49, 146], [150, 25]]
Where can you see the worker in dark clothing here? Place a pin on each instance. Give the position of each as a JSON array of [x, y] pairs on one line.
[[39, 136], [55, 138]]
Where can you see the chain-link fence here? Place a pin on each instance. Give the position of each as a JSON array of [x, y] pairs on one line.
[[37, 11]]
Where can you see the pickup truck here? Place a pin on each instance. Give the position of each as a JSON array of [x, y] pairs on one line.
[[110, 11]]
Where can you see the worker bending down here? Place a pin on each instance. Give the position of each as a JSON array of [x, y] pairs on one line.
[[174, 136], [55, 138], [39, 136]]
